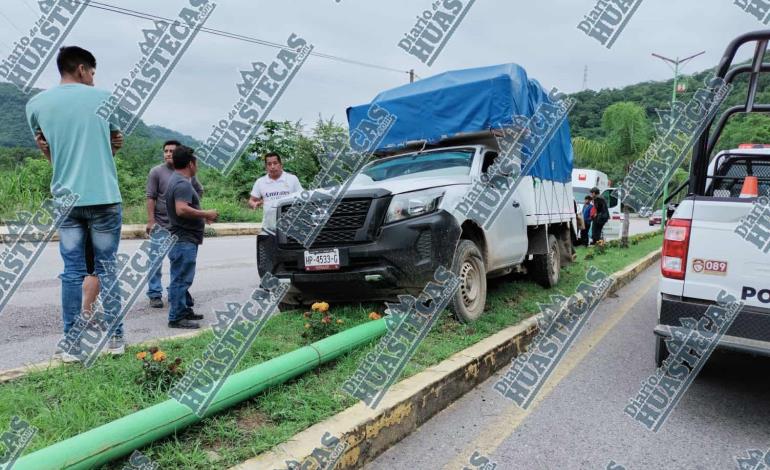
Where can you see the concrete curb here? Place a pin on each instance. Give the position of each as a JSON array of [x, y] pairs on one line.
[[413, 401], [136, 231]]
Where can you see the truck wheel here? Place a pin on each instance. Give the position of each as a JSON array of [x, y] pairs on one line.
[[545, 268], [661, 351], [470, 298]]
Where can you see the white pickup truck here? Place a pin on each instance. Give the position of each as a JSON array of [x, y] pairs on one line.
[[702, 253], [399, 220]]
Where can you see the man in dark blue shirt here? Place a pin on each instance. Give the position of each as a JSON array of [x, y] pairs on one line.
[[186, 222]]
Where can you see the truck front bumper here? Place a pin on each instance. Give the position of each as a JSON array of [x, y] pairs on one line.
[[749, 333], [402, 259]]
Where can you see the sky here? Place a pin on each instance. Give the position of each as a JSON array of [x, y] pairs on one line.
[[541, 35]]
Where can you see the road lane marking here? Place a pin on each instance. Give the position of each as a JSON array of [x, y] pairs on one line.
[[511, 417]]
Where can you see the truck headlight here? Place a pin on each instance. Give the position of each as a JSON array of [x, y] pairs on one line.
[[408, 205]]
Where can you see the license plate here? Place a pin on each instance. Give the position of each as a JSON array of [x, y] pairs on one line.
[[325, 260]]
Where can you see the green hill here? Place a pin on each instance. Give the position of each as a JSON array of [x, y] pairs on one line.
[[586, 118], [14, 131]]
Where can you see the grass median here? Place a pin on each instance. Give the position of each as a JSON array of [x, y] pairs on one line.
[[65, 401]]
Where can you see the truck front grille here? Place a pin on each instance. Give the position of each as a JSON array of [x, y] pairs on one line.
[[342, 227]]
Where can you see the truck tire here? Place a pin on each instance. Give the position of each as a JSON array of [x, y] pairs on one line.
[[661, 351], [545, 268], [468, 302]]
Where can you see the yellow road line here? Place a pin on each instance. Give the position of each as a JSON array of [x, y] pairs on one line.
[[512, 416]]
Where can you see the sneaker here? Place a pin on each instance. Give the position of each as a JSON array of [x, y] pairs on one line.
[[68, 358], [116, 346], [65, 356], [184, 323], [156, 302], [191, 315]]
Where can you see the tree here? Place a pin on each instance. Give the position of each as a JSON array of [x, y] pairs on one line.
[[626, 128], [745, 129]]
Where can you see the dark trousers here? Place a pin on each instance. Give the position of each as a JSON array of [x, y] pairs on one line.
[[584, 233], [598, 226]]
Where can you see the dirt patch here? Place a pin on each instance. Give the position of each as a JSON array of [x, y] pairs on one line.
[[250, 419]]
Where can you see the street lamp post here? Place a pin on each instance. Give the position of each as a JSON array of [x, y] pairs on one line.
[[677, 63]]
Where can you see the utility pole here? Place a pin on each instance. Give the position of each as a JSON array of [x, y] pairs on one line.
[[411, 75], [677, 67]]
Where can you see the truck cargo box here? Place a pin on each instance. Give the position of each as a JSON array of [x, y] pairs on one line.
[[469, 101]]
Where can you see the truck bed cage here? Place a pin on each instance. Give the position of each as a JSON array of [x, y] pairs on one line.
[[486, 137], [707, 141]]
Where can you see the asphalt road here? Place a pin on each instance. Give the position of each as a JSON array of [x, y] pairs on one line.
[[577, 419], [31, 325]]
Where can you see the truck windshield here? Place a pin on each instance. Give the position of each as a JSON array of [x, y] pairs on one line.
[[420, 165]]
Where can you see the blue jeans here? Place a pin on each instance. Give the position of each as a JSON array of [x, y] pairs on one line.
[[183, 256], [103, 224], [154, 285]]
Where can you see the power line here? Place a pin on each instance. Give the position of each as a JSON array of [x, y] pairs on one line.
[[228, 34]]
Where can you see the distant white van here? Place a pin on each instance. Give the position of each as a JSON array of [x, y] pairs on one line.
[[583, 180]]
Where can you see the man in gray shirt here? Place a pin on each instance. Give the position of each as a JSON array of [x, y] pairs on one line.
[[157, 183], [186, 220]]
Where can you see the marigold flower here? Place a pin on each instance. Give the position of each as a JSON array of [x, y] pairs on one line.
[[339, 321], [374, 316], [141, 355], [158, 356], [307, 326], [320, 307]]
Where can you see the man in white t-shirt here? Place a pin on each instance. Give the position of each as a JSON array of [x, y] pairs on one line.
[[275, 185]]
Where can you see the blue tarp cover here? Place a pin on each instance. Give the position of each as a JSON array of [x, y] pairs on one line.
[[471, 100]]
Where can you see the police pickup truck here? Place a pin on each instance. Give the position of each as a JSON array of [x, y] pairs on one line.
[[718, 237], [399, 219]]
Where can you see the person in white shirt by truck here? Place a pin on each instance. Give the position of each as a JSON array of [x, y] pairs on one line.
[[275, 185]]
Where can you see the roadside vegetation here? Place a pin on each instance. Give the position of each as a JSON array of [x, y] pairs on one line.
[[25, 175], [65, 401], [611, 128]]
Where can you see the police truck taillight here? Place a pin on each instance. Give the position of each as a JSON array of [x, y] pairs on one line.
[[673, 262]]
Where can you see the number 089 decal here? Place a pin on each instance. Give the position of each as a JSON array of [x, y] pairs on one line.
[[709, 266]]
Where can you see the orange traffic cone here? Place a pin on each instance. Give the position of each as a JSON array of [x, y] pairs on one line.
[[750, 187]]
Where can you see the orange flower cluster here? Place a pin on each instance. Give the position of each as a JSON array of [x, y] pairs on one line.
[[155, 353], [374, 316], [157, 372], [321, 307]]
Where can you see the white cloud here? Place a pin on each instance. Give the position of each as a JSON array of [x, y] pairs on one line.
[[540, 35]]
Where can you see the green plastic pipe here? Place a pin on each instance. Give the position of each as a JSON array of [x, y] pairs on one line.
[[120, 437]]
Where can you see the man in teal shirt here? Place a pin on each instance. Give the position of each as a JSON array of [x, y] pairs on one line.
[[80, 145]]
